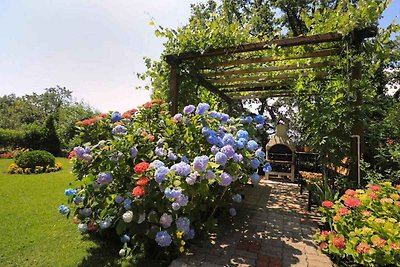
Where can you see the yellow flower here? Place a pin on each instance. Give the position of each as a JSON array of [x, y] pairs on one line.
[[366, 230], [379, 220], [183, 243], [360, 191], [392, 220], [179, 234], [181, 249], [394, 196]]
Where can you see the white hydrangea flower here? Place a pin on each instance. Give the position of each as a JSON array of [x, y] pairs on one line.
[[127, 216]]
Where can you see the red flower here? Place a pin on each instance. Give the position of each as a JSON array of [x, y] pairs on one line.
[[338, 242], [375, 187], [397, 186], [103, 115], [88, 121], [323, 245], [325, 233], [72, 154], [126, 115], [352, 202], [138, 191], [363, 248], [350, 193], [147, 105], [373, 195], [141, 167], [143, 181], [343, 211], [327, 204], [379, 242], [395, 246]]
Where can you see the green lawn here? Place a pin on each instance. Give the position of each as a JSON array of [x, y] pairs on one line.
[[32, 232]]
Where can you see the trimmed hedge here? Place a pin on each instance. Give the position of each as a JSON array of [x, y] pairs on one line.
[[34, 158], [11, 138]]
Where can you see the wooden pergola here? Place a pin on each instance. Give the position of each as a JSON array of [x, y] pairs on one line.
[[268, 69]]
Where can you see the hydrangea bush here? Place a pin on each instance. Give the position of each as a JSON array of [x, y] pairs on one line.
[[156, 180], [364, 225]]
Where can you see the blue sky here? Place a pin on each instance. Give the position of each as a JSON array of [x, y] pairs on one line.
[[92, 47]]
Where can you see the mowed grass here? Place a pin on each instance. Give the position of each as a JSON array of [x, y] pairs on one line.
[[32, 232]]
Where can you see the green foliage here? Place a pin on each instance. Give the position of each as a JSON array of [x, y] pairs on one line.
[[50, 136], [34, 158], [365, 227], [11, 138]]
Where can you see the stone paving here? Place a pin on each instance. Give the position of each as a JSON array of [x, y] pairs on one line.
[[272, 228]]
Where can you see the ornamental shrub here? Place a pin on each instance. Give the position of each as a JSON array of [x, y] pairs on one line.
[[155, 181], [34, 158], [364, 226]]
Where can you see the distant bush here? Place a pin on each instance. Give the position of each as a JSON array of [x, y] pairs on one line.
[[32, 159], [11, 138]]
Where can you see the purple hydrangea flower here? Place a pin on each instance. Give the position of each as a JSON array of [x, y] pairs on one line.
[[181, 169], [79, 152], [159, 151], [63, 209], [161, 174], [259, 119], [232, 212], [200, 163], [178, 117], [104, 178], [237, 157], [85, 212], [134, 152], [160, 142], [189, 235], [183, 224], [127, 203], [191, 179], [226, 179], [105, 224], [207, 131], [228, 140], [254, 163], [259, 126], [119, 129], [214, 114], [228, 150], [172, 193], [260, 153], [202, 108], [165, 220], [255, 178], [156, 164], [176, 206], [224, 117], [119, 199], [210, 174], [70, 192], [182, 200], [237, 198], [221, 158], [116, 116], [188, 109], [214, 149], [163, 239], [172, 156], [252, 145], [267, 167]]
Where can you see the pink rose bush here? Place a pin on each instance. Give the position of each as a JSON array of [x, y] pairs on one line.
[[364, 226], [158, 181]]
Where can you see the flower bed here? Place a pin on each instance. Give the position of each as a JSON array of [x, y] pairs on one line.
[[158, 180], [364, 226]]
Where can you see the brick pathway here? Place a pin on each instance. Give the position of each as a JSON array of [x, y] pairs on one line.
[[272, 228]]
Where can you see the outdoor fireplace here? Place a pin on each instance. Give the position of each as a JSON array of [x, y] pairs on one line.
[[281, 154]]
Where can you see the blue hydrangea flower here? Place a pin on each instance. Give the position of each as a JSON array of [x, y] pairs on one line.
[[200, 163], [188, 109], [127, 203], [79, 151], [226, 179], [237, 198], [232, 212], [221, 158], [159, 151], [181, 169], [254, 163], [119, 129], [166, 220], [237, 157], [82, 227], [214, 149], [252, 145], [176, 206], [191, 179], [104, 178], [260, 153], [202, 108], [242, 134], [116, 116], [189, 235], [182, 200], [156, 164], [172, 193], [239, 144], [183, 224], [224, 117], [214, 114], [63, 209], [160, 142], [259, 119], [163, 239], [212, 139], [228, 150], [184, 159], [210, 174], [70, 192], [207, 131], [85, 212], [178, 117], [125, 239], [255, 178], [172, 156], [228, 140], [119, 199], [78, 200], [161, 174], [267, 167], [105, 224], [247, 119], [134, 152]]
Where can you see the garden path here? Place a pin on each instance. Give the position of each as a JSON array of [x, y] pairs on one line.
[[272, 228]]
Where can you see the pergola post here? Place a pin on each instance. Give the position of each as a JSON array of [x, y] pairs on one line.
[[173, 62]]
